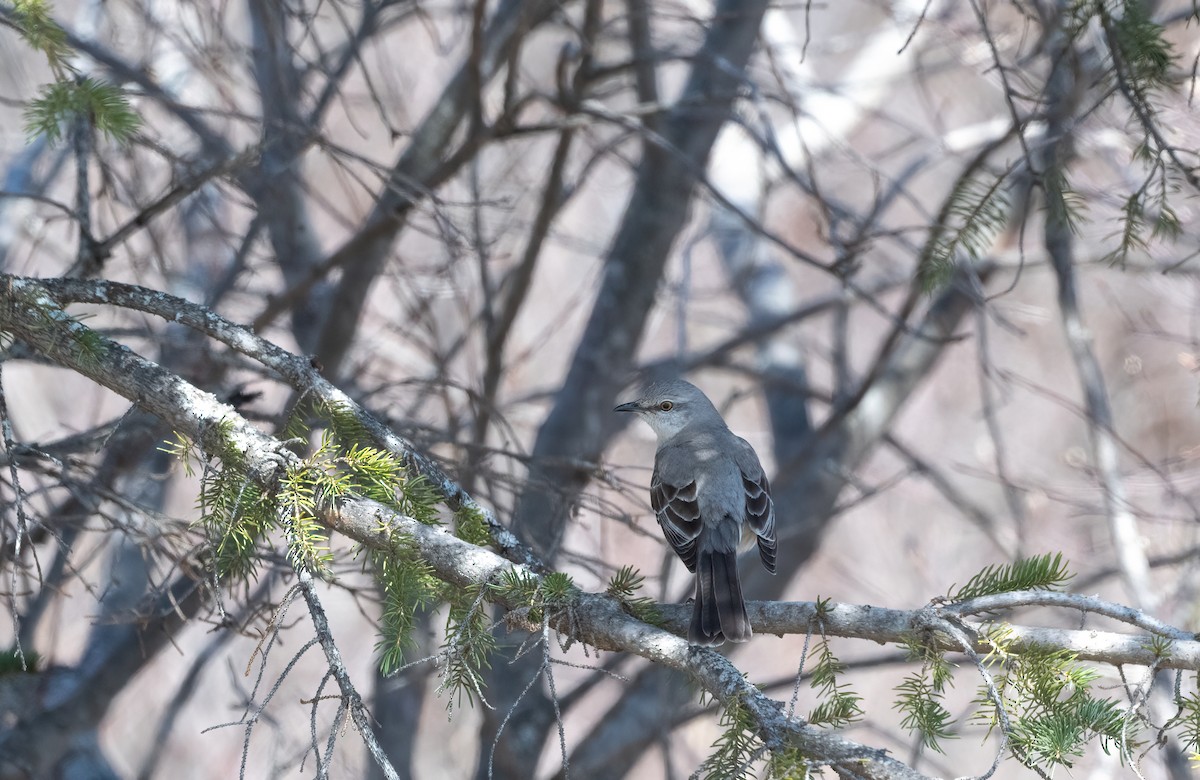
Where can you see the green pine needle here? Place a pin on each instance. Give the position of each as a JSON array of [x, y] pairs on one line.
[[468, 646], [736, 749], [36, 25], [973, 215], [63, 102], [1188, 720], [920, 702], [407, 584], [839, 706], [1047, 694], [624, 585], [1141, 44], [308, 539], [1042, 572], [471, 527]]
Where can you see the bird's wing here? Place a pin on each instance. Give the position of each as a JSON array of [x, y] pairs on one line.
[[760, 509], [674, 496]]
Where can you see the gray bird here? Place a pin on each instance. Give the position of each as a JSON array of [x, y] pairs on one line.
[[712, 500]]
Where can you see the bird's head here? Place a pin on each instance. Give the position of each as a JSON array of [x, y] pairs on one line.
[[670, 406]]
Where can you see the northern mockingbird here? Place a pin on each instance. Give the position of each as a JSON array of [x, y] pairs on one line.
[[712, 500]]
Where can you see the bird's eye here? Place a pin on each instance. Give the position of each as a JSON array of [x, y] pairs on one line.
[[666, 406]]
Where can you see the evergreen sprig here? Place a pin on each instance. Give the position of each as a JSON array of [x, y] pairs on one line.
[[471, 526], [558, 589], [1041, 572], [344, 422], [406, 584], [1047, 696], [1139, 42], [1147, 213], [624, 585], [920, 697], [235, 512], [1056, 735], [308, 540], [524, 591], [469, 641], [1064, 204], [516, 588], [71, 96], [973, 215], [377, 473], [238, 516], [1144, 61], [1187, 720], [467, 647], [37, 26], [184, 450], [839, 706], [789, 764], [62, 102], [736, 750]]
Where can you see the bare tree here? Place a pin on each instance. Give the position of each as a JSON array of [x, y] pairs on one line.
[[314, 315]]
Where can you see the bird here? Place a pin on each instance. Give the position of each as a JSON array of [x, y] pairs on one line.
[[712, 499]]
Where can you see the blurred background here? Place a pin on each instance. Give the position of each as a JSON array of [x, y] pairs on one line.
[[908, 272]]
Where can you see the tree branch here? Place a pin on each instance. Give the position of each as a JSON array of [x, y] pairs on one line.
[[297, 371], [28, 313], [1062, 100]]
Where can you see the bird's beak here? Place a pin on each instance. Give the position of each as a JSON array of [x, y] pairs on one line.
[[632, 406]]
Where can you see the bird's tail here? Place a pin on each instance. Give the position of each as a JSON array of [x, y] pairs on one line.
[[719, 612]]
